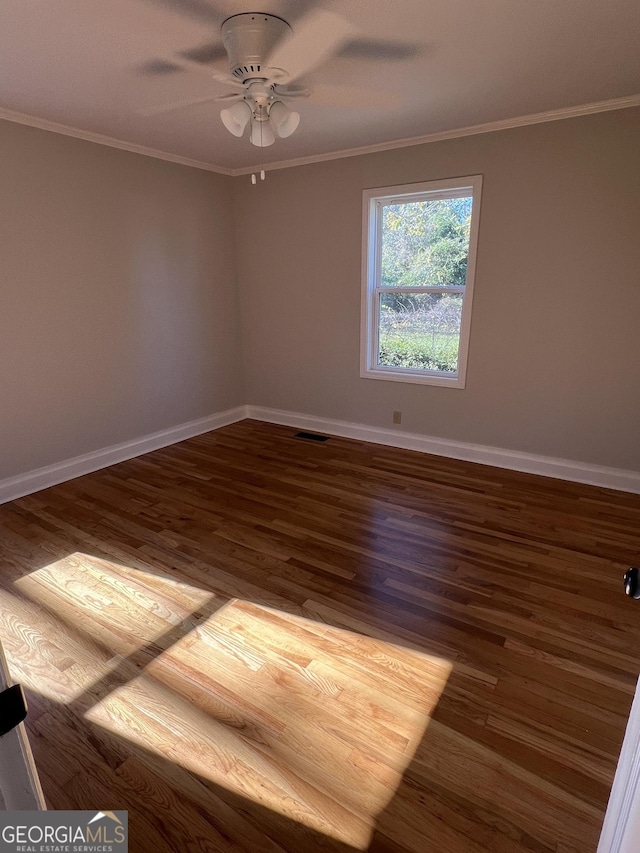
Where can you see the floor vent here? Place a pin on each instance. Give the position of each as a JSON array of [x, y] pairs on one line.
[[311, 436]]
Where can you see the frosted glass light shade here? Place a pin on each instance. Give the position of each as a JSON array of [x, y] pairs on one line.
[[236, 117], [283, 120], [261, 134]]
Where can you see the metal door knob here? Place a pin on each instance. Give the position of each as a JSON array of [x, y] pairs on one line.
[[632, 582]]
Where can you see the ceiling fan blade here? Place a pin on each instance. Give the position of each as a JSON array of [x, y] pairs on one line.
[[354, 97], [221, 77], [212, 73], [232, 96], [316, 37], [206, 53], [178, 63], [291, 92], [179, 105], [380, 50], [198, 10], [158, 68]]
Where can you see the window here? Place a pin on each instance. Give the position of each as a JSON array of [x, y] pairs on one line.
[[419, 244]]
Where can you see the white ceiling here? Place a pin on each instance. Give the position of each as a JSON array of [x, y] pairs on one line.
[[452, 63]]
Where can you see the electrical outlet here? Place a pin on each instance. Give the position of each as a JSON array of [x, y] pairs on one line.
[[397, 417]]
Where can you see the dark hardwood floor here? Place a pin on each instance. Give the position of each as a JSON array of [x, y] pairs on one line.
[[256, 643]]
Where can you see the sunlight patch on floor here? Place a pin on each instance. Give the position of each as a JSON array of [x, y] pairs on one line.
[[76, 620], [313, 721], [326, 753]]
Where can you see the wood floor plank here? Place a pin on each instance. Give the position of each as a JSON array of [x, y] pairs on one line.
[[258, 644]]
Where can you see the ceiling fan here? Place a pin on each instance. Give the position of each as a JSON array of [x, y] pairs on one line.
[[267, 57]]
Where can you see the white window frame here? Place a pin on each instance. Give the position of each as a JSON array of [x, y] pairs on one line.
[[373, 201]]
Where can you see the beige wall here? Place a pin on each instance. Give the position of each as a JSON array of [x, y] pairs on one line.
[[118, 304], [554, 364], [119, 311]]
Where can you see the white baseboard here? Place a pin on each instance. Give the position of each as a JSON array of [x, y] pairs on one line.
[[42, 478], [530, 463], [563, 469]]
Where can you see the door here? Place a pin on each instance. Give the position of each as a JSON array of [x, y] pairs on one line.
[[621, 827]]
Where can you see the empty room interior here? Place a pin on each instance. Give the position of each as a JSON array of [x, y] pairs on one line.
[[320, 423]]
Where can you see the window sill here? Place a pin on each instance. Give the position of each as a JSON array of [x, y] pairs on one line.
[[415, 377]]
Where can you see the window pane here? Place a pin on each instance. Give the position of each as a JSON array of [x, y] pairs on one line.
[[425, 243], [420, 331]]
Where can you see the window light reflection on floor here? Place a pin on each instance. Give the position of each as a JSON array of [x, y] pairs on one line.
[[315, 722]]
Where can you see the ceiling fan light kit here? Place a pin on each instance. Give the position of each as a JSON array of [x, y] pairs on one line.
[[261, 133], [236, 117], [267, 115], [284, 120]]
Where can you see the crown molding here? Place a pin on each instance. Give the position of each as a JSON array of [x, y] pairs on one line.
[[472, 130], [110, 141]]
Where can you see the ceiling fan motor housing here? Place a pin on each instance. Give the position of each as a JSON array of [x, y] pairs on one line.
[[249, 39]]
